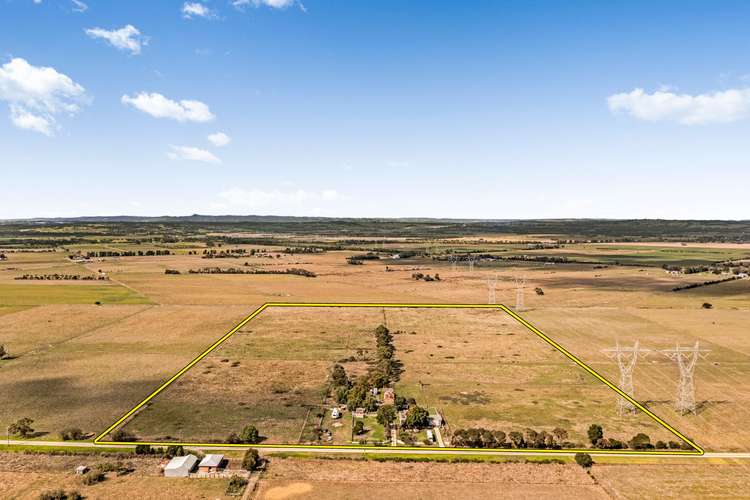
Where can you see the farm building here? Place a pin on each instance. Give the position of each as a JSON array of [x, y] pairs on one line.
[[335, 413], [180, 466], [436, 419], [389, 396], [81, 470], [211, 463], [359, 413]]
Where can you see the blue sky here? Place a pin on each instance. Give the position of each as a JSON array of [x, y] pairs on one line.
[[386, 109]]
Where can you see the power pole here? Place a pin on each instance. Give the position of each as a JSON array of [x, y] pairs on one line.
[[686, 358], [491, 287], [453, 260], [471, 262], [520, 286], [626, 358]]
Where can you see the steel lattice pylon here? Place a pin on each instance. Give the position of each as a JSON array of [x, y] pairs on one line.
[[686, 358], [626, 358]]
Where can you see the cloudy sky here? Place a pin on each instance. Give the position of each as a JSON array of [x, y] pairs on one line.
[[483, 109]]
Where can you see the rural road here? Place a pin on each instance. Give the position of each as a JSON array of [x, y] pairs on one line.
[[380, 451]]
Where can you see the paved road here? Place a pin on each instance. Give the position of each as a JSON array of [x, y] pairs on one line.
[[380, 451]]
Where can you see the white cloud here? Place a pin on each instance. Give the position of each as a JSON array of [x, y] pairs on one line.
[[277, 200], [36, 94], [196, 9], [159, 106], [192, 154], [79, 6], [127, 38], [219, 139], [665, 105], [275, 4]]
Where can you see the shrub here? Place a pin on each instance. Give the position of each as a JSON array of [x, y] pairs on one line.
[[71, 434], [122, 435], [3, 352], [539, 291], [707, 305], [584, 460], [251, 461], [640, 441], [143, 449], [60, 495], [93, 477], [233, 438], [236, 485], [359, 427]]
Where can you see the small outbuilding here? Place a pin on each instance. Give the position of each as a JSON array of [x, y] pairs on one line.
[[389, 396], [180, 466], [81, 470], [359, 413], [335, 413], [211, 463]]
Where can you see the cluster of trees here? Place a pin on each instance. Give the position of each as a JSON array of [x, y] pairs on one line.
[[294, 250], [705, 283], [57, 276], [22, 428], [236, 270], [640, 441], [172, 271], [249, 435], [359, 258], [170, 451], [382, 372], [231, 253], [425, 277], [717, 268], [530, 438], [3, 257], [126, 253]]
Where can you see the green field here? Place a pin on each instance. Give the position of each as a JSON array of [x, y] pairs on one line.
[[43, 293]]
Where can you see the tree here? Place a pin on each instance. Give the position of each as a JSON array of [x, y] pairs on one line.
[[516, 439], [3, 352], [386, 415], [251, 461], [417, 418], [250, 435], [560, 434], [584, 460], [595, 433], [707, 305], [359, 427], [21, 428], [338, 376], [370, 403], [640, 441], [174, 451]]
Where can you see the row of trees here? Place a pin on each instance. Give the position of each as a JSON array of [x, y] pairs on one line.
[[58, 277], [124, 253], [236, 270], [530, 438], [425, 277]]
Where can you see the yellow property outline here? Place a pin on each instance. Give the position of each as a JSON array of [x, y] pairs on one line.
[[697, 450]]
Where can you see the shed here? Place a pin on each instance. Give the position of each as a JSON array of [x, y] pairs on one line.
[[180, 466], [335, 413], [359, 413], [211, 463]]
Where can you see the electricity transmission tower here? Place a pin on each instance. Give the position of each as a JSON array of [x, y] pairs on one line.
[[520, 286], [453, 259], [626, 358], [686, 358], [491, 287]]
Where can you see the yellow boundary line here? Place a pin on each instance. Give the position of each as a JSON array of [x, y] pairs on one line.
[[697, 450]]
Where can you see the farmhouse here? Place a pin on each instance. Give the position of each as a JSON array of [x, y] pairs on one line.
[[389, 396], [180, 466], [211, 463]]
